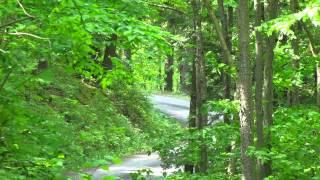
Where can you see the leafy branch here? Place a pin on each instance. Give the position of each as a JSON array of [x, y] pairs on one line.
[[15, 22]]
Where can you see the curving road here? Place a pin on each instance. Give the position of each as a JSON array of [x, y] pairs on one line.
[[174, 107]]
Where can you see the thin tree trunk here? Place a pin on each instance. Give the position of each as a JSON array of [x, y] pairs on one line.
[[245, 82], [160, 77], [190, 168], [201, 85], [110, 52], [169, 73], [258, 6], [226, 75], [268, 84], [226, 22], [192, 111]]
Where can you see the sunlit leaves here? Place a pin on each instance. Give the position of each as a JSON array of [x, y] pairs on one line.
[[284, 23]]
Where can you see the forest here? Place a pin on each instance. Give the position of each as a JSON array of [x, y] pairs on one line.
[[214, 89]]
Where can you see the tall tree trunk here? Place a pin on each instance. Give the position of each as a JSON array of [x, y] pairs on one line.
[[110, 52], [268, 84], [294, 93], [170, 59], [226, 37], [192, 110], [259, 14], [190, 168], [169, 73], [245, 82], [160, 77], [201, 85], [226, 22]]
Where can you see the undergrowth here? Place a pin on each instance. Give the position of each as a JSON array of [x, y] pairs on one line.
[[54, 123]]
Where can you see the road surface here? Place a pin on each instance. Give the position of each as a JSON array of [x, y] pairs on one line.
[[174, 107]]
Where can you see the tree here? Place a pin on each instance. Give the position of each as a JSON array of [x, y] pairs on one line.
[[169, 72], [258, 5], [244, 85], [224, 35], [200, 84], [226, 54], [272, 10]]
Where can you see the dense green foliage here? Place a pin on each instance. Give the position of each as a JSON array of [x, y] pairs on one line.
[[75, 76]]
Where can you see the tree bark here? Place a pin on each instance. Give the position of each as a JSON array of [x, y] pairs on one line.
[[110, 52], [190, 168], [192, 110], [258, 6], [170, 59], [225, 32], [201, 85], [169, 73], [268, 84], [244, 85]]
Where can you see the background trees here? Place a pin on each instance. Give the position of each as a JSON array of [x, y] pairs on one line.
[[273, 72], [255, 64]]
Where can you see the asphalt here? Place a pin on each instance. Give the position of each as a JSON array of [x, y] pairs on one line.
[[176, 108]]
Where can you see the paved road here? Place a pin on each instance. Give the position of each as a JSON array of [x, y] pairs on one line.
[[174, 107]]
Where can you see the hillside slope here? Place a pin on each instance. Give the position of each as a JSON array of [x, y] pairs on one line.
[[55, 123]]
